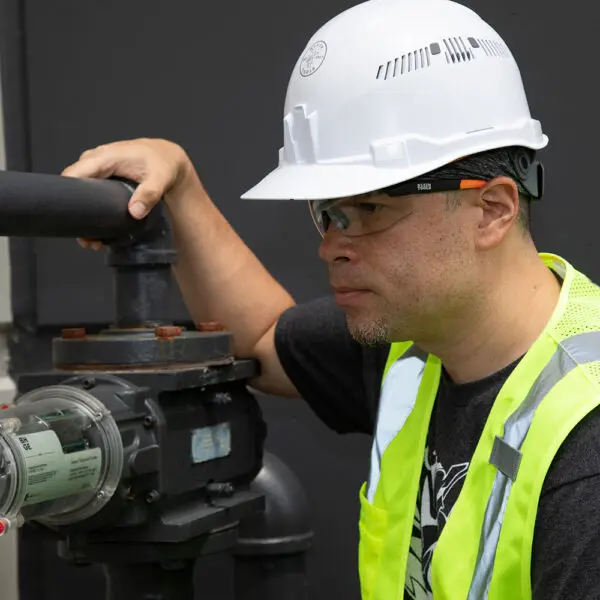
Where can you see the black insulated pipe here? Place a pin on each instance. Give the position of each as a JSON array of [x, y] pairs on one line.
[[41, 205]]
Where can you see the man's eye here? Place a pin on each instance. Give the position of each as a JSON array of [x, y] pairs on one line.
[[369, 207]]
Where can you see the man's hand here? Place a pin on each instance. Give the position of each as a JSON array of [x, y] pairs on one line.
[[159, 167]]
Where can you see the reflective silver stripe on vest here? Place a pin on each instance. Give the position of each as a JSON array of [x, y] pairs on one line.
[[396, 401], [574, 351]]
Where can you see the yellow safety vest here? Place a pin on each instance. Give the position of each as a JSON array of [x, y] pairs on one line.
[[484, 550]]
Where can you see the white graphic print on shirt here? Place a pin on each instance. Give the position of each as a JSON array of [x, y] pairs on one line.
[[431, 514]]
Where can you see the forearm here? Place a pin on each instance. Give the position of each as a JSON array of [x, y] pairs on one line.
[[219, 276]]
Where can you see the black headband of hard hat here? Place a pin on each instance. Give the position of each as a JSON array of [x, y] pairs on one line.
[[515, 162]]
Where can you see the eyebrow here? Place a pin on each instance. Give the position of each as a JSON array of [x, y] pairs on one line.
[[365, 196]]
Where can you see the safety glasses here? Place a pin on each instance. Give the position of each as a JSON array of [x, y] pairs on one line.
[[368, 213]]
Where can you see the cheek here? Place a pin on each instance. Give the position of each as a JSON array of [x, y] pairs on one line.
[[399, 266], [424, 258]]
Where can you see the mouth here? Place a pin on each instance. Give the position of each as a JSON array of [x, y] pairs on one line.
[[345, 296]]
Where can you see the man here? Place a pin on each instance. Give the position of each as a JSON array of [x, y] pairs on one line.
[[473, 360]]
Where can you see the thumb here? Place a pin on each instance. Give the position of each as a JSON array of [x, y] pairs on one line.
[[146, 196]]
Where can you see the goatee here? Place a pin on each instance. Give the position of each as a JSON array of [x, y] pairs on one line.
[[374, 334]]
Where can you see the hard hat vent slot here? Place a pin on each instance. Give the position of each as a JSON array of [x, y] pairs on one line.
[[491, 47], [457, 51], [413, 61]]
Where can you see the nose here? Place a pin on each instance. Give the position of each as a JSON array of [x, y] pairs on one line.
[[336, 247]]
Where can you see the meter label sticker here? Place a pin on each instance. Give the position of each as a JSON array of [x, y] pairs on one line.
[[209, 443], [52, 474]]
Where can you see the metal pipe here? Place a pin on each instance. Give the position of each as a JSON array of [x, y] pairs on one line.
[[142, 274], [41, 205], [130, 581], [270, 559], [142, 295]]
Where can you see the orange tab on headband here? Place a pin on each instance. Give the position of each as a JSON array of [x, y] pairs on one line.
[[472, 184]]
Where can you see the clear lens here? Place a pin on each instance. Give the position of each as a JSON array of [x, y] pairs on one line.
[[357, 216]]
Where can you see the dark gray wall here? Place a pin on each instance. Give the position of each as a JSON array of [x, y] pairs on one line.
[[554, 44], [213, 77]]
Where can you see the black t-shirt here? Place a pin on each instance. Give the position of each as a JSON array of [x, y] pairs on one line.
[[340, 380]]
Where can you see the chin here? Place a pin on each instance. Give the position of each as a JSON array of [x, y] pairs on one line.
[[368, 333]]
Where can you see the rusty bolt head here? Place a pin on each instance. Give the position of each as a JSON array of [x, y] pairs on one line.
[[75, 333], [210, 326], [167, 331]]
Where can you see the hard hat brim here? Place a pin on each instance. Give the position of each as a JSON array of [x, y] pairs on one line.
[[324, 182]]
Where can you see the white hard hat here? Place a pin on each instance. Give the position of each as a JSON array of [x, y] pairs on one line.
[[392, 89]]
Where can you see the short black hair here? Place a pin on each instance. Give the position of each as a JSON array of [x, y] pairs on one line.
[[511, 161]]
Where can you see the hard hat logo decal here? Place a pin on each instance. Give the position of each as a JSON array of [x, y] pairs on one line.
[[313, 58]]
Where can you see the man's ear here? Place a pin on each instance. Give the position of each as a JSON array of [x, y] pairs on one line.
[[499, 204]]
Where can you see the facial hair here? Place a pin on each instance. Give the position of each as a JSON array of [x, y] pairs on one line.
[[374, 334]]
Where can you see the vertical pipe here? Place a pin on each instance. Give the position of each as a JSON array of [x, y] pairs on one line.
[[147, 581], [142, 295], [270, 557], [142, 274], [271, 578]]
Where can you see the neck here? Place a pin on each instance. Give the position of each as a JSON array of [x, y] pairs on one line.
[[520, 297]]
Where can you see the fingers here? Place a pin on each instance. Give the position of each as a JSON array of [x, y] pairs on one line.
[[92, 163]]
